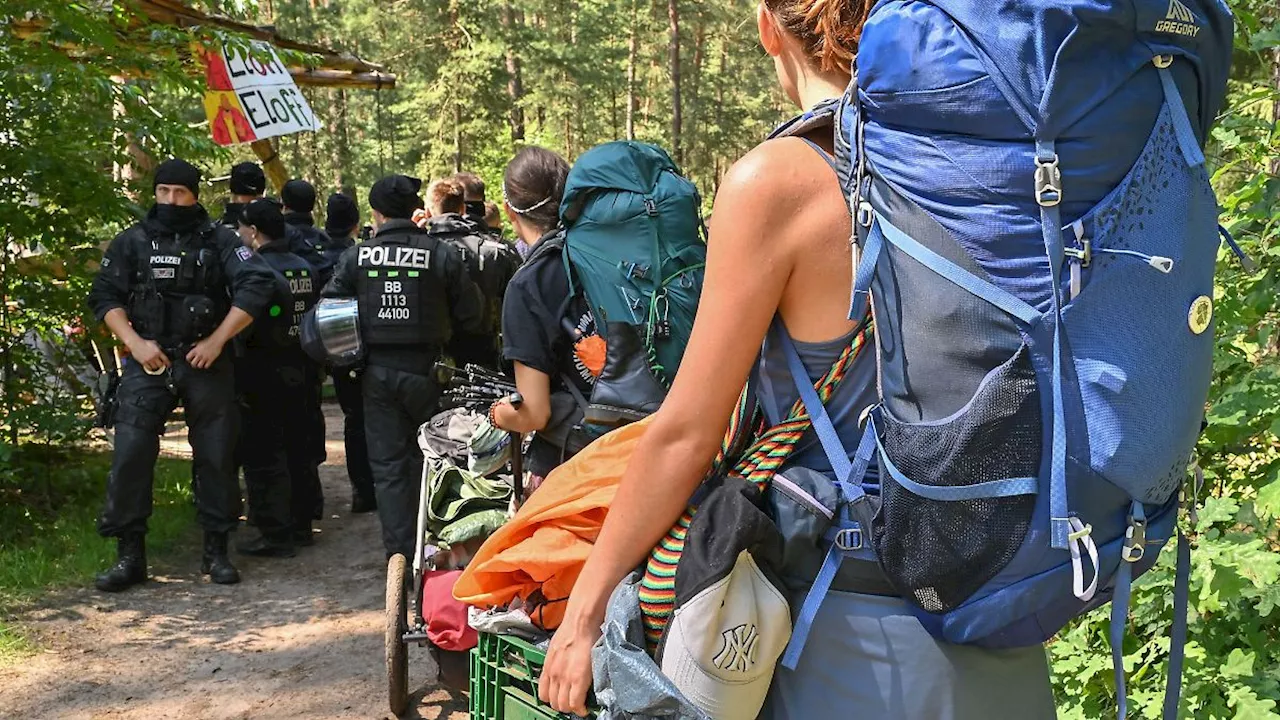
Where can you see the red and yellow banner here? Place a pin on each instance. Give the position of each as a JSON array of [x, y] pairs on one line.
[[252, 97]]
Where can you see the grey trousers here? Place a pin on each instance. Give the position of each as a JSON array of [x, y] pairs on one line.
[[867, 657]]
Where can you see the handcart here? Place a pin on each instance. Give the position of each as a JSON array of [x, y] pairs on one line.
[[405, 624]]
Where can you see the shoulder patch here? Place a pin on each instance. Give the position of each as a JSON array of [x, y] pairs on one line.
[[243, 253], [106, 261]]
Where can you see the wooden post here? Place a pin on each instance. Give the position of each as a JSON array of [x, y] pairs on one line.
[[274, 168]]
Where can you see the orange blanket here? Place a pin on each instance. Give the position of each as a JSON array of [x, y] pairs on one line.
[[545, 545]]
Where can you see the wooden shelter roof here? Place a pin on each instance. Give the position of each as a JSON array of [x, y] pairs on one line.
[[335, 69]]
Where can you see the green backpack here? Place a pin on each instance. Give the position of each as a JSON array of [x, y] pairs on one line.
[[636, 248]]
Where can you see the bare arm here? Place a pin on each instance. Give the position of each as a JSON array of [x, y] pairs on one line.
[[749, 263], [535, 412]]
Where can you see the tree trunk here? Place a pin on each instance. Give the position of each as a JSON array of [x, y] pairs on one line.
[[515, 82], [695, 86], [342, 138], [7, 366], [721, 79], [457, 138], [673, 15], [633, 47]]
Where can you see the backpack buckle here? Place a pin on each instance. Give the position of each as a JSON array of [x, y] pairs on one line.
[[1135, 541], [650, 207], [849, 539], [866, 214], [1084, 253], [1048, 181]]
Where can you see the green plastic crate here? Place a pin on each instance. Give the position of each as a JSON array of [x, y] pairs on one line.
[[504, 680]]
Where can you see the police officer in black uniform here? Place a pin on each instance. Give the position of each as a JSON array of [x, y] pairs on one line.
[[274, 379], [412, 290], [341, 222], [491, 262], [247, 183], [317, 248], [175, 289], [305, 239]]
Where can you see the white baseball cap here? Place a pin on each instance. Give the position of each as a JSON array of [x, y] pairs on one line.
[[723, 644]]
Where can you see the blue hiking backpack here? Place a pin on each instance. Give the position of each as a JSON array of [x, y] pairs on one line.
[[1037, 238]]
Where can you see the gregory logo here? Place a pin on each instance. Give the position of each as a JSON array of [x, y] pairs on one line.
[[738, 649], [1179, 20]]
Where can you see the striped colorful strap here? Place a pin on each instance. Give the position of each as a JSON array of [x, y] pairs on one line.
[[757, 463]]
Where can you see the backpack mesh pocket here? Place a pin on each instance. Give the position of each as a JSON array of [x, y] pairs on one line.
[[938, 553]]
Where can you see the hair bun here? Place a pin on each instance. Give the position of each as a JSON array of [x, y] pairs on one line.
[[829, 29]]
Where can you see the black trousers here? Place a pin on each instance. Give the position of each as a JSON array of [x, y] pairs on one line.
[[281, 475], [313, 438], [146, 401], [396, 403], [348, 385]]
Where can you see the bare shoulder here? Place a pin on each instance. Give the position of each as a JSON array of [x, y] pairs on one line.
[[785, 170], [782, 185]]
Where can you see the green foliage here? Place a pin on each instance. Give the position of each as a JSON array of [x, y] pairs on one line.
[[68, 122], [1233, 657], [453, 106]]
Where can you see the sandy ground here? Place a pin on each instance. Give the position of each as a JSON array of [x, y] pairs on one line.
[[298, 638]]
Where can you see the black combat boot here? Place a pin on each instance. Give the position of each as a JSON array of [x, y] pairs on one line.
[[362, 502], [215, 563], [274, 545], [626, 390], [131, 564], [303, 536]]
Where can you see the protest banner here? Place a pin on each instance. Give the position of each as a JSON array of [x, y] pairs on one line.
[[252, 96]]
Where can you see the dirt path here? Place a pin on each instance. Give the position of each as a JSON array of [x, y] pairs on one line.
[[298, 638]]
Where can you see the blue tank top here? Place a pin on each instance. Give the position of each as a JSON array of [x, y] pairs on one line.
[[777, 393], [774, 386]]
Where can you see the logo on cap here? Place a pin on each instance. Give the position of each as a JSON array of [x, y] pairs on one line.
[[738, 649], [1179, 20]]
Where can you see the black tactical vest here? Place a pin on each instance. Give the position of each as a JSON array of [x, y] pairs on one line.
[[297, 290], [401, 290], [179, 293]]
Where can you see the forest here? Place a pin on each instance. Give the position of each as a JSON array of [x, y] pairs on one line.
[[97, 91]]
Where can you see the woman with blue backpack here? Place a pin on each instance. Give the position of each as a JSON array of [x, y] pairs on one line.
[[776, 298]]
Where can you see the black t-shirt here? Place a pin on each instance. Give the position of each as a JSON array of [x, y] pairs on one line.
[[543, 328]]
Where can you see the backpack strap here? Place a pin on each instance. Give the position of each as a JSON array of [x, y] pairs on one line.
[[851, 532], [831, 162], [769, 449]]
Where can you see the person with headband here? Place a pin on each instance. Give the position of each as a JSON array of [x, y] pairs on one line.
[[414, 293], [778, 257], [175, 289], [548, 334]]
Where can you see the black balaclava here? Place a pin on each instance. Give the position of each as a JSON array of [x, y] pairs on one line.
[[396, 196], [174, 217]]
